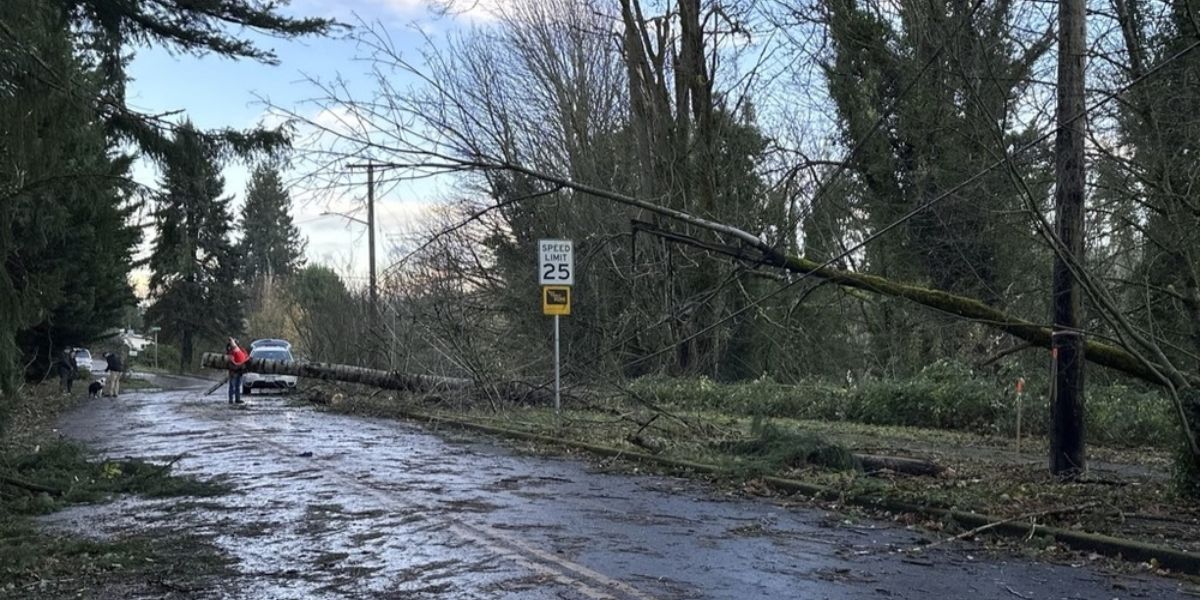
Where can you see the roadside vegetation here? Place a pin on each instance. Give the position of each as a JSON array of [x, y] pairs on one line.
[[40, 473], [943, 395]]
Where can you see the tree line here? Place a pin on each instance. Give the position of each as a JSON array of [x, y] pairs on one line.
[[71, 216]]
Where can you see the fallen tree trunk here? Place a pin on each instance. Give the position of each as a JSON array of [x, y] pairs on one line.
[[757, 250], [388, 380], [1100, 353], [898, 464], [971, 309]]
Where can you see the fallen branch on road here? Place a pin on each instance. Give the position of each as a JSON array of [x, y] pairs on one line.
[[215, 386], [29, 485], [982, 528], [898, 464]]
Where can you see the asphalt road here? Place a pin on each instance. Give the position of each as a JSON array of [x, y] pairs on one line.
[[330, 506]]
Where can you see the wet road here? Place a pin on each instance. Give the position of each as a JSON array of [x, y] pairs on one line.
[[330, 506]]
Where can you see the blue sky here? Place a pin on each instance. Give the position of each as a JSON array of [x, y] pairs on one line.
[[216, 92]]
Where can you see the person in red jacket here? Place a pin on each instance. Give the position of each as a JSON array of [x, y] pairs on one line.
[[237, 358]]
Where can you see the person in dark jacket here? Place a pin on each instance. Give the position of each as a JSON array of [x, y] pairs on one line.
[[114, 369], [68, 369]]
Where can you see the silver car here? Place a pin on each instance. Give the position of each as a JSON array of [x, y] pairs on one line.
[[251, 381], [83, 360]]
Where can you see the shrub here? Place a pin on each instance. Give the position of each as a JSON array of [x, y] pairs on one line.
[[1120, 415], [168, 357], [944, 395]]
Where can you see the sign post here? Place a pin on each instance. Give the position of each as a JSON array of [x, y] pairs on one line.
[[556, 275], [155, 330]]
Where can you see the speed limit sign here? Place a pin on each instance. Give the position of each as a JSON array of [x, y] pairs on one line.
[[556, 274], [556, 264]]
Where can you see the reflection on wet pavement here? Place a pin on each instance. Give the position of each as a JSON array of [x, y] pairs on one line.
[[331, 506]]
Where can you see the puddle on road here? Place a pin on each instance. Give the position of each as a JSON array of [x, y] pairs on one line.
[[335, 506]]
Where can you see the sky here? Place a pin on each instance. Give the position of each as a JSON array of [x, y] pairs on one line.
[[216, 92]]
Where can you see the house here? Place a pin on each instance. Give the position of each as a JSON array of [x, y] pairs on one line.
[[134, 341]]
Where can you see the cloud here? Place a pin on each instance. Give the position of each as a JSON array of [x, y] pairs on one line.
[[342, 244], [467, 10]]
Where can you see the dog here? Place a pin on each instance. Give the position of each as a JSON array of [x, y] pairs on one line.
[[94, 389]]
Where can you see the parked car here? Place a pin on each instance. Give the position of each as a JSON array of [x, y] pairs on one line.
[[270, 342], [83, 359], [251, 381]]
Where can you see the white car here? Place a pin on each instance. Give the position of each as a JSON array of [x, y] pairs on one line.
[[251, 381], [83, 360]]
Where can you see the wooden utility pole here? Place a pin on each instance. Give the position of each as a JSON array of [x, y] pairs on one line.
[[371, 237], [370, 223], [1066, 393]]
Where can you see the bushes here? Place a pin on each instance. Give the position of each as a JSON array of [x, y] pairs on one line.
[[944, 395], [1119, 415]]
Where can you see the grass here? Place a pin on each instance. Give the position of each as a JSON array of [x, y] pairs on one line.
[[28, 554]]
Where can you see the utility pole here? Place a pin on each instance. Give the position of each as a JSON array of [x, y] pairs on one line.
[[371, 235], [1066, 393], [370, 223]]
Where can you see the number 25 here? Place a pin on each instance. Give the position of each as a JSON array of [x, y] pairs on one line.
[[563, 272]]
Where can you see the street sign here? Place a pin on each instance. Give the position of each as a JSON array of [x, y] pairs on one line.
[[556, 274], [556, 262], [556, 300]]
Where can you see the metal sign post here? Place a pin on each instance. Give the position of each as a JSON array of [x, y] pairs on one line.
[[557, 371], [556, 274], [556, 300]]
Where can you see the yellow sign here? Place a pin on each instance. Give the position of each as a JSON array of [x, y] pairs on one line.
[[556, 299]]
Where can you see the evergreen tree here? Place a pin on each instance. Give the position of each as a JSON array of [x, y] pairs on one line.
[[327, 319], [271, 243], [943, 124], [65, 197], [65, 200], [1163, 125], [194, 262]]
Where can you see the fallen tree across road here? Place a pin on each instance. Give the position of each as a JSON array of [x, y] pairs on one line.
[[511, 391]]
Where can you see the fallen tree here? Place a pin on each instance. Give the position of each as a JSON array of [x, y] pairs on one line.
[[513, 391], [753, 249]]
